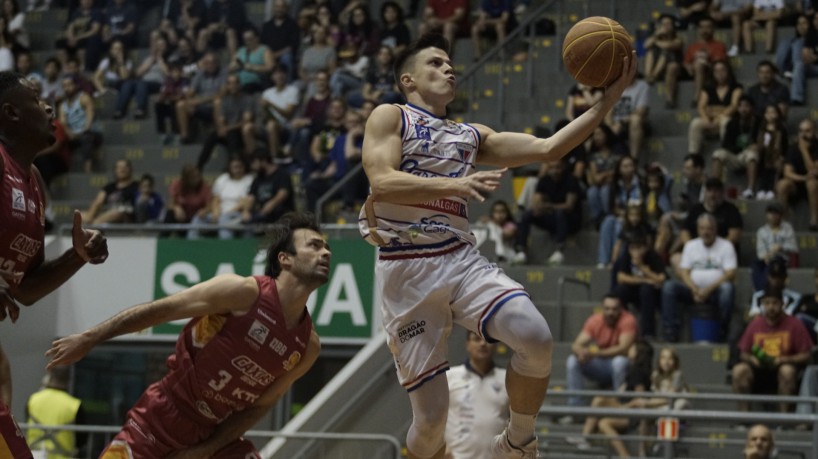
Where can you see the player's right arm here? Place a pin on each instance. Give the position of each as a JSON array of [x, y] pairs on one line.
[[5, 379], [381, 157], [223, 294]]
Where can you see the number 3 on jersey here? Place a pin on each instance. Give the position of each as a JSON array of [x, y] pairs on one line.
[[225, 377]]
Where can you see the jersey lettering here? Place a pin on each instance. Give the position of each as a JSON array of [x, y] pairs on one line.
[[225, 377]]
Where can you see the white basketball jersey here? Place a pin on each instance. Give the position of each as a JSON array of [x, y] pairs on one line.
[[432, 147]]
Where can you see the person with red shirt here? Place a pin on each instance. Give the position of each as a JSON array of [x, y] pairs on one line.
[[26, 129], [700, 55], [774, 347], [447, 17], [249, 340]]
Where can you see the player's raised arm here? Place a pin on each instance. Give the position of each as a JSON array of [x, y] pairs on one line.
[[228, 293], [381, 158], [512, 149]]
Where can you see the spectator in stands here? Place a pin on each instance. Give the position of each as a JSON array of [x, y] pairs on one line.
[[77, 115], [6, 47], [229, 191], [717, 102], [15, 18], [271, 194], [658, 202], [350, 73], [310, 118], [83, 36], [282, 36], [664, 57], [199, 99], [760, 443], [580, 98], [120, 20], [774, 240], [629, 117], [114, 202], [52, 91], [394, 31], [73, 70], [346, 155], [692, 11], [639, 274], [768, 12], [554, 207], [230, 112], [728, 219], [253, 62], [774, 348], [733, 12], [671, 223], [501, 229], [738, 146], [172, 91], [701, 54], [603, 164], [361, 32], [319, 173], [148, 204], [806, 66], [147, 80], [225, 19], [379, 83], [768, 90], [319, 56], [56, 159], [492, 22], [667, 378], [707, 271], [772, 143], [599, 352], [775, 278], [189, 196], [186, 56], [449, 17], [800, 177], [789, 51], [182, 18], [114, 69], [275, 112], [24, 65], [634, 221], [325, 17], [626, 189], [640, 356]]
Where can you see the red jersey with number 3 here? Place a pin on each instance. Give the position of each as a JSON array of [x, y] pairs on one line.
[[23, 219], [224, 363]]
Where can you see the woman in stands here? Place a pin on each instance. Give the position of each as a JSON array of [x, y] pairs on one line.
[[716, 103], [626, 188]]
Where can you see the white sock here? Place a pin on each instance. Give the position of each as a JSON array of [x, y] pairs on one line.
[[521, 428]]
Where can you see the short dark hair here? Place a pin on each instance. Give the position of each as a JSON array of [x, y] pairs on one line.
[[406, 57], [280, 237], [9, 81], [769, 64], [698, 160], [612, 296], [147, 177], [55, 61], [713, 183], [771, 292], [748, 99]]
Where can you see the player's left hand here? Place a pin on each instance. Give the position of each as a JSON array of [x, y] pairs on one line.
[[90, 245]]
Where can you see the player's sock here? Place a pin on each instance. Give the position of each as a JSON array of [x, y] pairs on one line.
[[521, 428]]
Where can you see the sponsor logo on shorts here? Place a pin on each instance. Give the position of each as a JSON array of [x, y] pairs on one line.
[[258, 332], [252, 370], [25, 245], [411, 330]]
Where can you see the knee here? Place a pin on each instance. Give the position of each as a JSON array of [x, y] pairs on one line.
[[620, 364], [787, 373], [742, 374], [572, 363]]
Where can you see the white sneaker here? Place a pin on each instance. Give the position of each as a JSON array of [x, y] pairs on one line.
[[556, 258], [747, 194], [580, 442], [501, 449], [770, 195], [761, 194], [733, 52], [519, 258]]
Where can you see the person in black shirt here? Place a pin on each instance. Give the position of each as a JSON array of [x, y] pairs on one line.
[[638, 276], [738, 146], [805, 67], [728, 219], [801, 172], [271, 194], [225, 20], [282, 35], [394, 31], [555, 208]]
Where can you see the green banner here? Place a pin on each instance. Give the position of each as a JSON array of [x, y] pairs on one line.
[[342, 308]]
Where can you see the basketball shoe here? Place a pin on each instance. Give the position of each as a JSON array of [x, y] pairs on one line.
[[502, 449]]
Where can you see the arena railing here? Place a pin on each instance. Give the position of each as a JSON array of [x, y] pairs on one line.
[[110, 431], [715, 416]]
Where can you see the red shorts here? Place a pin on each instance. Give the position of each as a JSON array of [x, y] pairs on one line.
[[156, 428], [12, 441]]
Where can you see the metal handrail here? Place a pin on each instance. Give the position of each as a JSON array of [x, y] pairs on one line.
[[561, 300], [319, 205], [685, 395], [392, 440]]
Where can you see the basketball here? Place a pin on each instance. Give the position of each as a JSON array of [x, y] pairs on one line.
[[594, 49]]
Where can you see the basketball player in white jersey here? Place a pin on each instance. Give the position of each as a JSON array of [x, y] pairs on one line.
[[422, 171]]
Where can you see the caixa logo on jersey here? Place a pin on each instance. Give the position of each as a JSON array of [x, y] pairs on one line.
[[25, 245], [411, 330]]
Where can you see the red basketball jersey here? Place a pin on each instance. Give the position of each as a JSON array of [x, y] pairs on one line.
[[224, 363], [23, 219]]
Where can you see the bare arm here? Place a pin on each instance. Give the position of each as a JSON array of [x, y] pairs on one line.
[[271, 204], [797, 359], [621, 348], [580, 343], [224, 294], [88, 105], [511, 149]]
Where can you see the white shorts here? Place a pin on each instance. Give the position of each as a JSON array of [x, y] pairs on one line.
[[422, 296]]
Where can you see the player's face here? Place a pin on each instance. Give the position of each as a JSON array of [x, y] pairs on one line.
[[433, 74], [312, 256], [36, 116]]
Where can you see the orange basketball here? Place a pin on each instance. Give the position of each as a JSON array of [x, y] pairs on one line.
[[594, 49]]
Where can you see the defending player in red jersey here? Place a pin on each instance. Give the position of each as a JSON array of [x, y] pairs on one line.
[[249, 340], [25, 275]]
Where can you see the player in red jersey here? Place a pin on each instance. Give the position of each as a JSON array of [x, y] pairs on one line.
[[25, 275], [249, 340]]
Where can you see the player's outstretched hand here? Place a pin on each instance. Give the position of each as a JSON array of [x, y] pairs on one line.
[[615, 90], [68, 350], [8, 307], [90, 245], [473, 186]]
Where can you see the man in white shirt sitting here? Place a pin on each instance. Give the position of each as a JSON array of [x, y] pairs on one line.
[[707, 272]]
